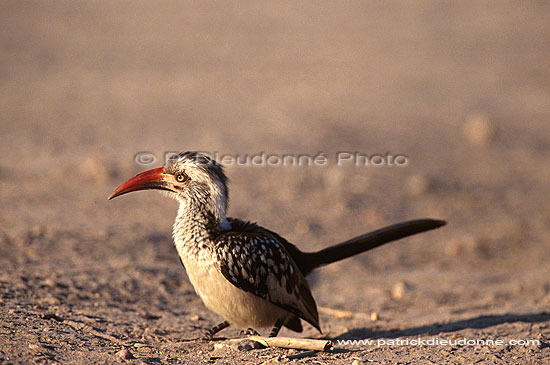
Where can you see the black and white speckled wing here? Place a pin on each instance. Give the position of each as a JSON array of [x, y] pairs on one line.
[[256, 262]]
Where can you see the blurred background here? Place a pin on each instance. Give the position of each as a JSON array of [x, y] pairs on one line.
[[461, 88]]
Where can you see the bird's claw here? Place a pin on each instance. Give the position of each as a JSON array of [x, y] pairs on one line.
[[250, 332]]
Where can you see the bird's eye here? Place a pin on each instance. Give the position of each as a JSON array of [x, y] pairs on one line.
[[181, 177]]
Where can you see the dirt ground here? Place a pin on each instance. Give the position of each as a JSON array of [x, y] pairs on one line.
[[461, 89]]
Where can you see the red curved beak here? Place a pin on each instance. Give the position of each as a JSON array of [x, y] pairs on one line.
[[151, 179]]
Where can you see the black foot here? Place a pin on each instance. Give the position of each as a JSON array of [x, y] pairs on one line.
[[250, 332], [276, 328], [217, 328]]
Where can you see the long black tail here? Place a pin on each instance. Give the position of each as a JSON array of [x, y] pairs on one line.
[[368, 241]]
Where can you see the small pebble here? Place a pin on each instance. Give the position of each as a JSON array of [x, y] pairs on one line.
[[51, 315], [147, 315], [51, 300], [142, 347], [399, 290], [374, 316], [125, 354], [49, 282]]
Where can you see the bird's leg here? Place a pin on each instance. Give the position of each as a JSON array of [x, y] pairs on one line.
[[250, 332], [276, 328], [217, 328]]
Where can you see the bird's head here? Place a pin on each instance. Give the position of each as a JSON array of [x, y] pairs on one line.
[[192, 178]]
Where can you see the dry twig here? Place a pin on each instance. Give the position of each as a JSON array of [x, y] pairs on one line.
[[294, 343]]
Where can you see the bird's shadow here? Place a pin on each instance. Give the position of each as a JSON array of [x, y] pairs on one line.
[[479, 322]]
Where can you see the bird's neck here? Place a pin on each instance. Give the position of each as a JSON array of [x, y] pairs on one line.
[[199, 219]]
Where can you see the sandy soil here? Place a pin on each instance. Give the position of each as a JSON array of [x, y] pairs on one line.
[[462, 89]]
